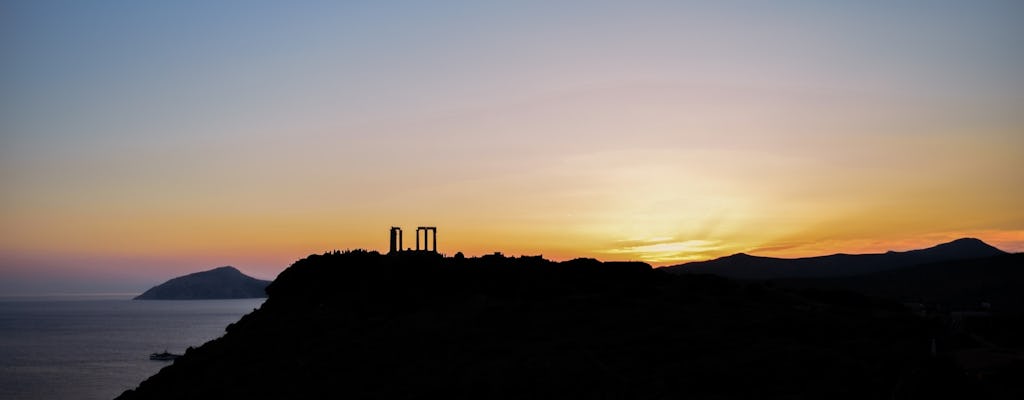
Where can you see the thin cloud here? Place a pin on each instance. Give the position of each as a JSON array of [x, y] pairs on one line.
[[666, 251]]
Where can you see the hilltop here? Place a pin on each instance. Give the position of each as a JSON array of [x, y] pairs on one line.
[[417, 325], [219, 283]]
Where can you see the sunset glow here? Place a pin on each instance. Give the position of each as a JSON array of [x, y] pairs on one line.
[[142, 142]]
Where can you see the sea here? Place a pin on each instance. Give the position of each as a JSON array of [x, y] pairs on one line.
[[98, 346]]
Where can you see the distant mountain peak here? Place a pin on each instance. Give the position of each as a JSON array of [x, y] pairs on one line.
[[968, 241], [968, 246], [224, 269], [963, 241]]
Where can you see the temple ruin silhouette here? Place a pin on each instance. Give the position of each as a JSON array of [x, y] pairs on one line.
[[429, 234], [396, 239]]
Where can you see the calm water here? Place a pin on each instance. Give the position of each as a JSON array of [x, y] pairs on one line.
[[97, 347]]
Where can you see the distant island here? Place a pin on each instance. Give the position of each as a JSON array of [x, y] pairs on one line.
[[219, 283], [417, 324]]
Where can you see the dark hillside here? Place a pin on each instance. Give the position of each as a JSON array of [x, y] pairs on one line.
[[416, 325], [962, 284], [744, 266]]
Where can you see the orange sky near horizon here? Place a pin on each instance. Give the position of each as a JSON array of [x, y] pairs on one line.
[[146, 142]]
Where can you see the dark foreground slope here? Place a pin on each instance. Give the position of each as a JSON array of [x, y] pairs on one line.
[[217, 283], [364, 325], [997, 282]]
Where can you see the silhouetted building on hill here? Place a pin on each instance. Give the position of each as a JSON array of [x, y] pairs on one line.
[[429, 234], [396, 239], [427, 231]]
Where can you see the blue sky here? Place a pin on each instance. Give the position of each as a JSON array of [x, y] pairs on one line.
[[172, 137]]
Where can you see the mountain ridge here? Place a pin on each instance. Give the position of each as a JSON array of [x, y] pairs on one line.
[[746, 266]]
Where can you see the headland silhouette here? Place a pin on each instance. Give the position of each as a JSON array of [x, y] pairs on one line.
[[418, 324]]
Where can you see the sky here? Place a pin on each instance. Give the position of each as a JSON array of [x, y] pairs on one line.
[[144, 140]]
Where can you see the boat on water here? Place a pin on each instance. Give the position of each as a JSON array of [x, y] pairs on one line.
[[165, 356]]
